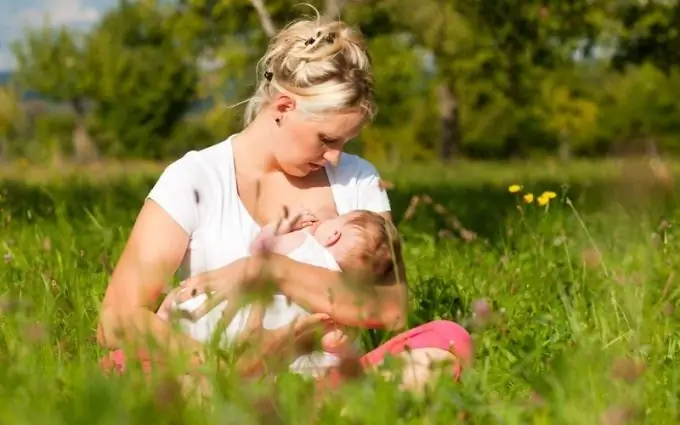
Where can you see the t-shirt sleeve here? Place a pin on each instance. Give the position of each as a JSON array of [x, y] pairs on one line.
[[182, 191], [371, 195]]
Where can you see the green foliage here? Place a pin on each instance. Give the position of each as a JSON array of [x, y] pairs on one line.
[[10, 112], [639, 107], [580, 327], [145, 83], [52, 133], [652, 34], [394, 134], [10, 118], [51, 61], [495, 78]]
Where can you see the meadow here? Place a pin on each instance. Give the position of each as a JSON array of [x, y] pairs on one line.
[[571, 303]]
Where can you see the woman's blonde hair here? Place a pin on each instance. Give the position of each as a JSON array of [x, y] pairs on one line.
[[324, 66]]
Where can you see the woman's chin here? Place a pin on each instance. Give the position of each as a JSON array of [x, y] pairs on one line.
[[299, 171]]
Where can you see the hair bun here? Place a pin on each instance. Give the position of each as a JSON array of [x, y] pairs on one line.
[[324, 65]]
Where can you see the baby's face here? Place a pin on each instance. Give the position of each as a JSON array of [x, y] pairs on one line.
[[336, 235]]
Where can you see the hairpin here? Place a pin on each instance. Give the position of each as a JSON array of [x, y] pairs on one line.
[[268, 75], [309, 41], [330, 37]]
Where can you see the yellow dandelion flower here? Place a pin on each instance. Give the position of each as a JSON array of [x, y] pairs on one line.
[[543, 200], [514, 188], [549, 195], [529, 198]]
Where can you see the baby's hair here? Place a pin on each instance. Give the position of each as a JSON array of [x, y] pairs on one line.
[[380, 249], [324, 66]]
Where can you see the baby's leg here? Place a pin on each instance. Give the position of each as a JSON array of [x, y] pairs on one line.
[[422, 350]]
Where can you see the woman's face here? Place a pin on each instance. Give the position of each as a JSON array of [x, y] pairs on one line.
[[305, 145]]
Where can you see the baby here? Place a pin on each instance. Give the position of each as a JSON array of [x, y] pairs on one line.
[[360, 241]]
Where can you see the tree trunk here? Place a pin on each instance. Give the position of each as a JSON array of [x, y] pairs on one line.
[[651, 148], [84, 148], [564, 148], [449, 116], [3, 150], [265, 18], [514, 91], [333, 8]]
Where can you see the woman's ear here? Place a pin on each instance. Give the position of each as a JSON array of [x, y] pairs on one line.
[[333, 238], [283, 103]]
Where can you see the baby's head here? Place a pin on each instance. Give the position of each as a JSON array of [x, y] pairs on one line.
[[360, 240]]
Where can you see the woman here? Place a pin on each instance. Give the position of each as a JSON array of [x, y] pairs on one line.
[[314, 95]]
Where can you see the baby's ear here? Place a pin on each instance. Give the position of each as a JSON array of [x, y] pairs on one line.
[[333, 238]]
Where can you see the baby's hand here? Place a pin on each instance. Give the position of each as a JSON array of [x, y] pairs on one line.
[[305, 219], [335, 341], [298, 221], [265, 241]]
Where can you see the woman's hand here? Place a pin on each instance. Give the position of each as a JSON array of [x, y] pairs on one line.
[[275, 349], [227, 282]]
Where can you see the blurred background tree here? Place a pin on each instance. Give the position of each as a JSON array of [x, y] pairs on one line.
[[455, 79], [51, 61], [10, 116]]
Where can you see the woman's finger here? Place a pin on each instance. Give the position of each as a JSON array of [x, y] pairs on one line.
[[189, 287], [213, 299], [196, 285], [253, 323]]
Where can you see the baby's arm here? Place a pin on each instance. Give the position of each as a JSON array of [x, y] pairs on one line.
[[281, 236]]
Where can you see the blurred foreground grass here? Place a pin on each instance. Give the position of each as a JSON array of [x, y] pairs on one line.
[[580, 326]]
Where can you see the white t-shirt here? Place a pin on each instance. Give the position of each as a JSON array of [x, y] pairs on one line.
[[199, 191]]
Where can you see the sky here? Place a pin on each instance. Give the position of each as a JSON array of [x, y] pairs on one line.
[[15, 15]]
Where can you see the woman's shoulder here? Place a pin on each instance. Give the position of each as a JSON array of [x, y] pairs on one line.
[[186, 184], [357, 185], [206, 166], [353, 168], [214, 157]]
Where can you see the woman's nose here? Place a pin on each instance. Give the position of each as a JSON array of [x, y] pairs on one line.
[[332, 156]]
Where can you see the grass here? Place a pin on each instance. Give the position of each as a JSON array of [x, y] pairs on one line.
[[581, 327]]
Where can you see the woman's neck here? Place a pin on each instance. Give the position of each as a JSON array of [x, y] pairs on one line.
[[253, 147]]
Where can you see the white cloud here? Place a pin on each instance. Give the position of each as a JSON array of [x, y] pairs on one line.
[[59, 12]]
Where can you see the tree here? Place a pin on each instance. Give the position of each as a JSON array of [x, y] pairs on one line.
[[146, 78], [10, 114], [51, 62], [565, 113], [648, 33], [456, 49], [528, 41]]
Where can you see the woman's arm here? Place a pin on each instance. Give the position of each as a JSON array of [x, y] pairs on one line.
[[381, 304], [363, 304], [153, 253], [378, 304], [275, 349]]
